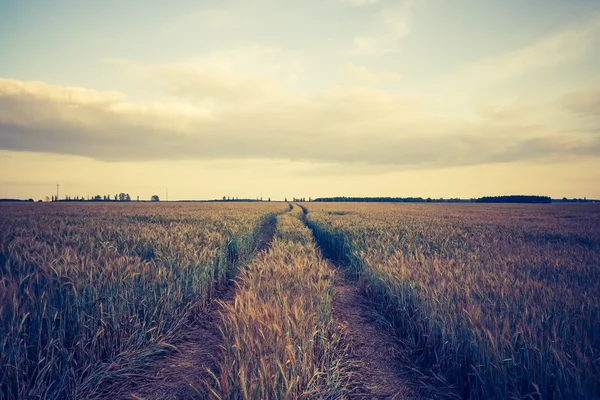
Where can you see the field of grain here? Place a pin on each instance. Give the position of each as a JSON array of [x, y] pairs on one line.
[[89, 292], [314, 300], [500, 301]]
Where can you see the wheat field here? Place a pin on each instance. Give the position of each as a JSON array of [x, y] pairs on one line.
[[501, 301], [488, 301], [89, 293]]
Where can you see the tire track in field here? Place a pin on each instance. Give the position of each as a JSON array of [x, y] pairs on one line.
[[382, 366], [372, 347], [179, 375]]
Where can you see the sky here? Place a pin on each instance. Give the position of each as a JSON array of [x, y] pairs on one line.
[[299, 98]]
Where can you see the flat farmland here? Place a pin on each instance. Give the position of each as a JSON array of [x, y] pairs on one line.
[[299, 300]]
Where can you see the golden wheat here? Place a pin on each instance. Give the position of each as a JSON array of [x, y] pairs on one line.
[[280, 340]]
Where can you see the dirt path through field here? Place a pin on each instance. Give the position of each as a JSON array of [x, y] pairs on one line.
[[372, 347], [179, 375], [380, 365], [383, 368]]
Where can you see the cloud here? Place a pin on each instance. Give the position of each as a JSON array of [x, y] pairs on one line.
[[341, 126], [358, 2], [250, 73], [393, 24], [550, 51], [584, 103], [195, 81], [362, 75], [40, 91], [213, 18]]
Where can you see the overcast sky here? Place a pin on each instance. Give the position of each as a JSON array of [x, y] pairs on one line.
[[300, 98]]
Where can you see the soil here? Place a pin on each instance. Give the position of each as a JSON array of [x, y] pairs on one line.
[[180, 374], [373, 348]]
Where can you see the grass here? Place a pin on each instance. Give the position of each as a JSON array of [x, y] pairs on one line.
[[501, 301], [89, 292]]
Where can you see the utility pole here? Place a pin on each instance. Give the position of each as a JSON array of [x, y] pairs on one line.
[[167, 194], [57, 185]]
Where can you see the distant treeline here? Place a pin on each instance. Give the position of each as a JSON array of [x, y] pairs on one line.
[[514, 199], [107, 197], [390, 200], [487, 199], [226, 198], [575, 200]]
